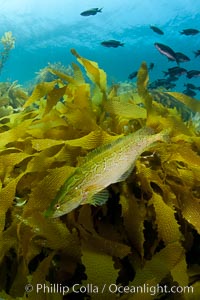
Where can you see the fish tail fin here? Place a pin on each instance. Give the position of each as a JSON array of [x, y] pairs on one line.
[[100, 10], [165, 73], [122, 44]]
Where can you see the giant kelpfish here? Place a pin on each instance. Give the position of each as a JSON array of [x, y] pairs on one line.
[[107, 164]]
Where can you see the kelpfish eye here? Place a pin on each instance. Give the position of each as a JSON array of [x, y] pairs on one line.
[[57, 206]]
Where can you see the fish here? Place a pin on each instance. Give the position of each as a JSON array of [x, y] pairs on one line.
[[112, 43], [191, 86], [197, 53], [91, 12], [189, 31], [156, 29], [175, 71], [165, 83], [193, 73], [151, 66], [189, 92], [181, 57], [167, 51], [132, 75], [172, 78], [106, 165]]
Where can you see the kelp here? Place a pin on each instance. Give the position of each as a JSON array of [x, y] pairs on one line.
[[147, 233]]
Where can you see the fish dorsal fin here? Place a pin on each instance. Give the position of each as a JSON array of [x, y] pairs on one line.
[[101, 149], [98, 199]]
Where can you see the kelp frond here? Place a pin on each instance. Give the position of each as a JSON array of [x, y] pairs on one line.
[[148, 230]]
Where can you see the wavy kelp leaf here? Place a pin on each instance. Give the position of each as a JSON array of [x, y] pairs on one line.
[[39, 277], [93, 140], [138, 294], [74, 80], [196, 292], [179, 272], [42, 144], [97, 100], [53, 234], [7, 196], [142, 81], [187, 176], [42, 129], [89, 235], [9, 161], [103, 273], [190, 209], [49, 186], [168, 228], [81, 119], [78, 75], [174, 123], [110, 247], [192, 103], [53, 97], [79, 97], [5, 296], [40, 91], [98, 76], [45, 159], [15, 133], [20, 279], [160, 265], [126, 110], [63, 76], [183, 152], [28, 250], [90, 141], [133, 216], [8, 240]]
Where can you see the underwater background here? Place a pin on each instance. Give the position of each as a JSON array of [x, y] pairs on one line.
[[99, 150], [46, 33]]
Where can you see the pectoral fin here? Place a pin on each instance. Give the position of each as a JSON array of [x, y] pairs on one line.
[[98, 199]]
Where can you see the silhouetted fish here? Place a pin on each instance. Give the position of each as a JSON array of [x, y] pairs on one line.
[[189, 92], [191, 86], [181, 57], [112, 43], [165, 83], [167, 51], [156, 29], [197, 53], [91, 12], [175, 71], [132, 75], [193, 73], [172, 78], [189, 31], [151, 66]]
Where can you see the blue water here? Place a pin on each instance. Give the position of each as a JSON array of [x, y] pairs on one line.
[[45, 31]]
